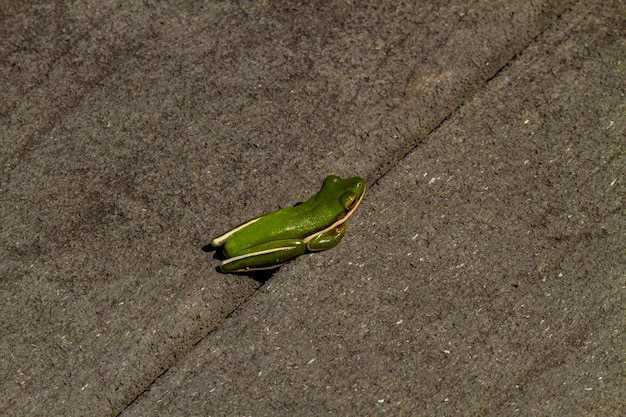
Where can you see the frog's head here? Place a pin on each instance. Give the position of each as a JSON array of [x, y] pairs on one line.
[[350, 192]]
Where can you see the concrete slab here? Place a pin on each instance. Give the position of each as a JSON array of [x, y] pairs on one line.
[[131, 134], [484, 275]]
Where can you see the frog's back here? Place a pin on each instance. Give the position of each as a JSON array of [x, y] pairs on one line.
[[287, 223]]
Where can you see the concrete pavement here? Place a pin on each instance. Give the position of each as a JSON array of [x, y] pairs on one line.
[[484, 273]]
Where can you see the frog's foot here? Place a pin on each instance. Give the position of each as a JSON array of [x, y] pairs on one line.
[[327, 239]]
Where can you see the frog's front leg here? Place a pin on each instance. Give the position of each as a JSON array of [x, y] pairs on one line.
[[327, 239], [265, 256]]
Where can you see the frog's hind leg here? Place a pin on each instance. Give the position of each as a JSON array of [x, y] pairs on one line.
[[266, 256]]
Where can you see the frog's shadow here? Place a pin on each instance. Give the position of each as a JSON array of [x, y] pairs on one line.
[[259, 276]]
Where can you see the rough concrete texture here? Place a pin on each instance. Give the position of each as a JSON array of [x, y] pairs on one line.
[[484, 273]]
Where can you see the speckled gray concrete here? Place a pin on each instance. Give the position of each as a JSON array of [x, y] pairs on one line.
[[483, 275]]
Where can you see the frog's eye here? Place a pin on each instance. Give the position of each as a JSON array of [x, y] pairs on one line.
[[331, 179]]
